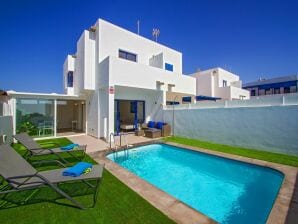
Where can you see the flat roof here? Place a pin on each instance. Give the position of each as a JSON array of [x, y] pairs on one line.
[[272, 80], [44, 95], [138, 35]]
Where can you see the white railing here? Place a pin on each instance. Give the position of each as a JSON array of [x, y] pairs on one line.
[[260, 101]]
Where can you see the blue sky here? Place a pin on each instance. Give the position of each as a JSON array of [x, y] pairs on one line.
[[251, 38]]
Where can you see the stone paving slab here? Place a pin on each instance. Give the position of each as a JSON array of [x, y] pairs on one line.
[[95, 144]]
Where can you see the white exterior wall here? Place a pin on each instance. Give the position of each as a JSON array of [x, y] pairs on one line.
[[6, 129], [238, 93], [78, 79], [89, 72], [112, 38], [69, 65], [143, 74], [131, 74], [98, 66], [157, 61], [271, 128], [225, 75], [84, 76], [140, 83], [153, 100], [6, 106], [204, 84], [92, 115], [210, 83]]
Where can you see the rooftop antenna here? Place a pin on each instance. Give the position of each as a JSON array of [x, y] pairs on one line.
[[155, 33], [138, 24]]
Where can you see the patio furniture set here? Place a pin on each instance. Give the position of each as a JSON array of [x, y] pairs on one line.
[[154, 130]]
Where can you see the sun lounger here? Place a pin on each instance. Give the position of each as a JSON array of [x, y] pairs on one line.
[[34, 149], [20, 175]]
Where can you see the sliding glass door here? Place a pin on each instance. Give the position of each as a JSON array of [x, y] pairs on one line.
[[128, 115]]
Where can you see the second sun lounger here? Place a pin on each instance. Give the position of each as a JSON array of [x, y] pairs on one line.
[[34, 149]]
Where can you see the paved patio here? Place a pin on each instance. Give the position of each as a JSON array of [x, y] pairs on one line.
[[95, 144]]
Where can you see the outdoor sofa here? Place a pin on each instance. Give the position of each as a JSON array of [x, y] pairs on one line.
[[157, 129]]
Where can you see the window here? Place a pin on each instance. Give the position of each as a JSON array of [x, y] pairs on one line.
[[293, 89], [276, 91], [35, 116], [224, 83], [128, 56], [133, 106], [267, 91], [261, 92], [286, 89], [186, 99], [70, 79], [172, 103], [253, 92], [169, 67]]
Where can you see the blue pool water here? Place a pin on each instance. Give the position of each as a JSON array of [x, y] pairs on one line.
[[226, 190]]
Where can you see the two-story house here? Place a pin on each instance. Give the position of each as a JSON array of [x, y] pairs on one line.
[[115, 80], [218, 83]]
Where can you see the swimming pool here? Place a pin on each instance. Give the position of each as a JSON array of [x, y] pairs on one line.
[[226, 190]]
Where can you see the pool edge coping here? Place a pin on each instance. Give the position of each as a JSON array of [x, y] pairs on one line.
[[181, 212], [279, 211]]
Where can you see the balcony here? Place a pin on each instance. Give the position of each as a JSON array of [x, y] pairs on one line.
[[132, 74], [232, 92]]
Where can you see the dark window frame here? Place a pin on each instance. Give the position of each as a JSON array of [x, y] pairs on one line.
[[70, 79], [287, 89], [253, 92], [127, 55], [169, 67], [276, 90], [186, 99], [268, 92], [293, 89], [224, 83]]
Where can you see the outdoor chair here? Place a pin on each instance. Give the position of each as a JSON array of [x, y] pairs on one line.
[[20, 176], [34, 149]]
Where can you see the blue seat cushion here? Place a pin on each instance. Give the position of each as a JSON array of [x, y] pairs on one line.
[[151, 124], [159, 125]]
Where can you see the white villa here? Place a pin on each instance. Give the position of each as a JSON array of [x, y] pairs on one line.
[[219, 83], [115, 79]]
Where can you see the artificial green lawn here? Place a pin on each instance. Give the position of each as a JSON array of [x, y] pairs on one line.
[[116, 202], [251, 153]]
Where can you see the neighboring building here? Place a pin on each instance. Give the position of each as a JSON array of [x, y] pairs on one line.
[[280, 85], [115, 80], [219, 83]]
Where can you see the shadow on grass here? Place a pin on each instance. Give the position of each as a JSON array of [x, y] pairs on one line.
[[46, 194]]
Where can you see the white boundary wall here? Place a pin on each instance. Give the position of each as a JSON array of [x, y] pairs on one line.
[[251, 123], [6, 129]]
